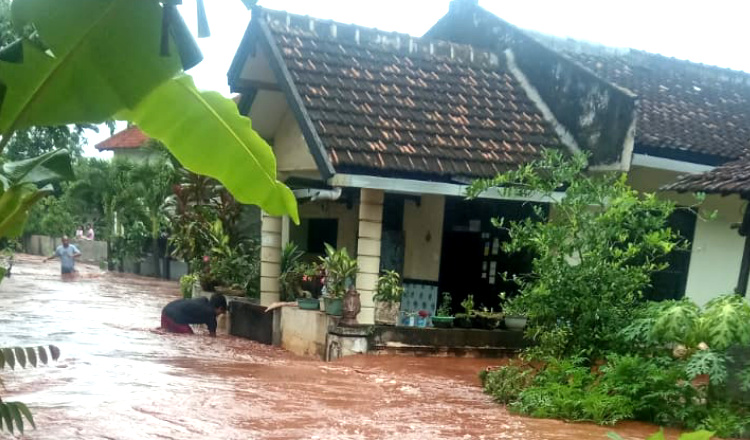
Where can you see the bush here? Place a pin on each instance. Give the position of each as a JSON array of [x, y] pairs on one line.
[[592, 261]]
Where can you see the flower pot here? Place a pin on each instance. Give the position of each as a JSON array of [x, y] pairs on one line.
[[386, 313], [462, 321], [334, 306], [515, 323], [308, 303], [442, 321]]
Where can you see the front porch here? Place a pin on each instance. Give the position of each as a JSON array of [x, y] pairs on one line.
[[437, 242]]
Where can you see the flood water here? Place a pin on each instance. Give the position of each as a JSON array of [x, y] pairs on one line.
[[120, 378]]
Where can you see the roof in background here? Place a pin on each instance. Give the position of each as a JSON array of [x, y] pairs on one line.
[[392, 104], [131, 137], [686, 110], [730, 178]]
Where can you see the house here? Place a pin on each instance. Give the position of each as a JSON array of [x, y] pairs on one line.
[[378, 133], [130, 143]]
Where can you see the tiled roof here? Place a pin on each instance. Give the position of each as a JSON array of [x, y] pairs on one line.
[[396, 105], [684, 109], [131, 137], [730, 178]]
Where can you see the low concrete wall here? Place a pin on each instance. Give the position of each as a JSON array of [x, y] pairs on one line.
[[94, 252], [250, 320], [445, 342], [304, 332]]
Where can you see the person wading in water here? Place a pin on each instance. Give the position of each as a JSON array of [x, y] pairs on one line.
[[177, 316], [68, 254]]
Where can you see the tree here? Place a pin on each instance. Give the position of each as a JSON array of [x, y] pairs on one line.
[[81, 52], [592, 261]]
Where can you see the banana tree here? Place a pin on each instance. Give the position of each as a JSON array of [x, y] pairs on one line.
[[71, 71]]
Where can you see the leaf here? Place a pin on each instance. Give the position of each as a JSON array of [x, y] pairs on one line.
[[209, 137], [20, 356], [26, 413], [14, 208], [657, 436], [48, 167], [16, 414], [42, 354], [31, 356], [5, 413], [614, 436], [82, 77], [10, 358], [55, 352], [697, 435]]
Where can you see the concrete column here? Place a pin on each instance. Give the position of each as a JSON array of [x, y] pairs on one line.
[[368, 250], [270, 259]]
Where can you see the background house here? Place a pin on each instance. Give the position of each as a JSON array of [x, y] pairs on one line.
[[130, 143]]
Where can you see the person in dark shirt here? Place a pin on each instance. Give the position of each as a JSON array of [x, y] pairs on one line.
[[177, 316]]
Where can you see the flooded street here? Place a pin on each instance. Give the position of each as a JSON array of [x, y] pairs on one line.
[[120, 378]]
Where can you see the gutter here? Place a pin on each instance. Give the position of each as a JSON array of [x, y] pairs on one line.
[[420, 187], [660, 163]]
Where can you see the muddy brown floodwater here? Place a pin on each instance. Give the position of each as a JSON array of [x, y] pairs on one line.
[[120, 378]]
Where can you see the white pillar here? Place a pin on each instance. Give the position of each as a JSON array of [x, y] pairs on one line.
[[270, 259], [368, 251]]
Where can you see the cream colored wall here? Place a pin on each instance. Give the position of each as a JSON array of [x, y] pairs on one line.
[[423, 237], [292, 154], [347, 221], [717, 249]]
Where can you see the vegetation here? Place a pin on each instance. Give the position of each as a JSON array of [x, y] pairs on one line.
[[697, 435], [389, 289], [602, 354], [76, 49], [593, 262], [445, 305], [340, 270], [187, 283]]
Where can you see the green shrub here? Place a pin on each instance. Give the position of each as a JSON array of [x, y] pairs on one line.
[[506, 383]]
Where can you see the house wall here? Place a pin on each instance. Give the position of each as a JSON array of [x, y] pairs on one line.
[[423, 237], [292, 154], [717, 249], [347, 222], [137, 155]]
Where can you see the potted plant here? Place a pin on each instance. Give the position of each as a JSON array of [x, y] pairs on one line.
[[290, 277], [515, 316], [464, 320], [308, 286], [187, 284], [388, 298], [487, 319], [443, 318], [340, 270]]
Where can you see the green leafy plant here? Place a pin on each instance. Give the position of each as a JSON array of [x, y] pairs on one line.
[[73, 55], [340, 270], [445, 305], [389, 289], [468, 305], [290, 276], [697, 435], [13, 413], [592, 260], [187, 283]]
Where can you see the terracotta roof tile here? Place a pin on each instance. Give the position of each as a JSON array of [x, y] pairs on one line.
[[131, 137], [391, 104], [683, 107], [730, 178]]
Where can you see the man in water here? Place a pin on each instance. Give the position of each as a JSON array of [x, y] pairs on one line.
[[177, 316], [68, 254]]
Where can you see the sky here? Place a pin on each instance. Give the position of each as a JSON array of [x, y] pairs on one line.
[[715, 32]]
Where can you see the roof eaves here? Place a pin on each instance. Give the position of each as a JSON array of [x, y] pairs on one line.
[[294, 100]]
